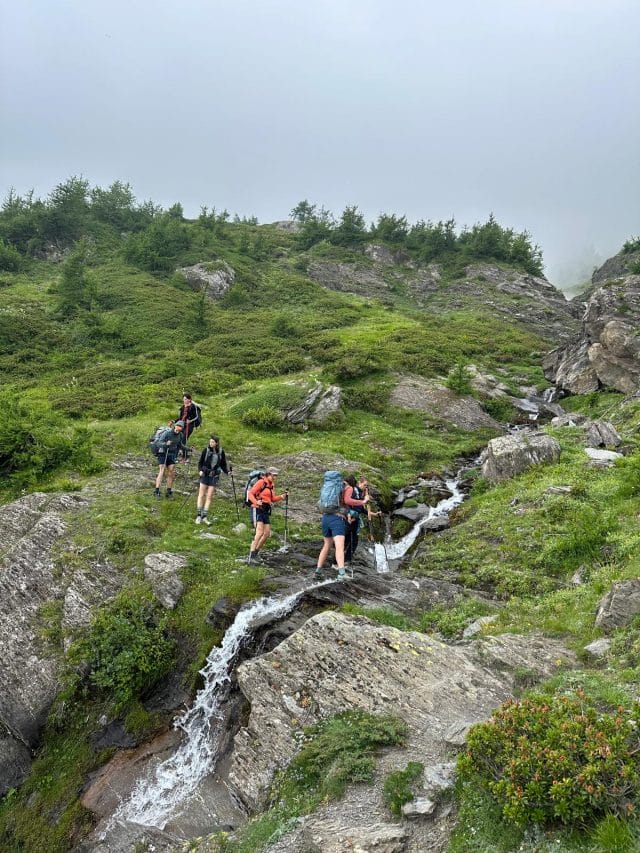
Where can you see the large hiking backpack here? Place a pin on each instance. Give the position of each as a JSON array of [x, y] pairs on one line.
[[198, 418], [331, 492], [155, 440], [253, 478], [212, 461]]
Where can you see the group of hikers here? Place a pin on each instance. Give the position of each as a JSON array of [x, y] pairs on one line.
[[343, 501]]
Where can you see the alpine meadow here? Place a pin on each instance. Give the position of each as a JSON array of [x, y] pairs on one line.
[[456, 670]]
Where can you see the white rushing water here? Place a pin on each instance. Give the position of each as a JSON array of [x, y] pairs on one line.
[[155, 799], [395, 550]]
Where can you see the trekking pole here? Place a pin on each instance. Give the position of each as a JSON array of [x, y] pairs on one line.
[[235, 496], [286, 517], [188, 496]]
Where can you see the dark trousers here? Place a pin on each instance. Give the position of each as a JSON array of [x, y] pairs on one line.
[[351, 540]]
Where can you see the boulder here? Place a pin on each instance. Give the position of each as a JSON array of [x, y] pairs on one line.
[[602, 434], [619, 606], [598, 649], [570, 368], [602, 458], [162, 573], [318, 405], [214, 278], [510, 455]]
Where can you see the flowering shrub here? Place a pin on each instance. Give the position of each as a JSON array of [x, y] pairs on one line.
[[546, 759]]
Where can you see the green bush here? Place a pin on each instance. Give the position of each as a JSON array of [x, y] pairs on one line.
[[10, 258], [262, 417], [35, 443], [127, 649], [549, 759], [398, 786], [459, 380]]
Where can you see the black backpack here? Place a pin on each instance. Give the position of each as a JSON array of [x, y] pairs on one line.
[[253, 478], [198, 418], [155, 440]]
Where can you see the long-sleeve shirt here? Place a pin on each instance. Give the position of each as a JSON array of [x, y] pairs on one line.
[[262, 492], [349, 500], [209, 463]]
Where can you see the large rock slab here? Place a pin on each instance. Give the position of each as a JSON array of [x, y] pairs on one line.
[[162, 571], [423, 395], [510, 455], [336, 662]]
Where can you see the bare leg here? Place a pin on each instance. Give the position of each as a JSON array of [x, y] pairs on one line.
[[211, 490], [255, 545], [266, 533], [201, 492], [326, 545], [338, 542], [161, 470], [171, 475]]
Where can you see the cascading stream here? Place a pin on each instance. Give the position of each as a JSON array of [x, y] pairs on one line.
[[155, 799], [396, 550]]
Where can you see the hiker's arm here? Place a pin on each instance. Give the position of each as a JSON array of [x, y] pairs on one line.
[[223, 462], [349, 500]]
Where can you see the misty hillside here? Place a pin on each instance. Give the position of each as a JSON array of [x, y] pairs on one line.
[[435, 360]]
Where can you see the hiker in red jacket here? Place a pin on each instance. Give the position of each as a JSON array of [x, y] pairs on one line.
[[262, 496]]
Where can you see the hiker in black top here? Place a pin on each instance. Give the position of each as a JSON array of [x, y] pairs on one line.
[[212, 461], [354, 497], [188, 414], [168, 445]]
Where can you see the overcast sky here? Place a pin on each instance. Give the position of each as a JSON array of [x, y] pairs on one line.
[[529, 109]]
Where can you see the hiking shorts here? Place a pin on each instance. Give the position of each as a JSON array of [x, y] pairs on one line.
[[263, 514], [165, 458], [209, 479], [333, 525]]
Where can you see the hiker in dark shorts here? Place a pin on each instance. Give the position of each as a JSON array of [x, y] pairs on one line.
[[262, 496], [334, 532], [168, 445], [212, 461]]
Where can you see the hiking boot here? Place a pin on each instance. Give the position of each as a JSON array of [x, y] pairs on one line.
[[156, 493], [168, 493], [206, 521], [198, 519], [342, 575], [317, 575]]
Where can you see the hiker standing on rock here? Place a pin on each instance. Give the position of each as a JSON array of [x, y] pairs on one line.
[[355, 498], [189, 416], [212, 462], [334, 520], [262, 496], [168, 444]]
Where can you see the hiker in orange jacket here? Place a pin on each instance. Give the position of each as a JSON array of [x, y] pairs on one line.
[[262, 496]]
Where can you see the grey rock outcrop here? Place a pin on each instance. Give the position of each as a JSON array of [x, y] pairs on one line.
[[335, 662], [214, 278], [606, 353], [162, 572], [424, 395], [30, 529], [318, 405], [619, 606], [510, 455]]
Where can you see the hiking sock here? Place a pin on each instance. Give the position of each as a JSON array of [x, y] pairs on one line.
[[169, 493], [156, 492], [205, 520]]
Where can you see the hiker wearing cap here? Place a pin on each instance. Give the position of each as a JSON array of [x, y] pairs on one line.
[[168, 443], [212, 462], [262, 496], [188, 415], [355, 497]]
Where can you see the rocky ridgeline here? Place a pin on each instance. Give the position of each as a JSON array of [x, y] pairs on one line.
[[606, 352], [519, 297]]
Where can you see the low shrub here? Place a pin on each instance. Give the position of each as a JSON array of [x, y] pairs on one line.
[[549, 759], [127, 649], [262, 417], [398, 787]]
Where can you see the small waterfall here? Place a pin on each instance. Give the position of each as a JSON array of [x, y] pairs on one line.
[[396, 550], [155, 799]]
